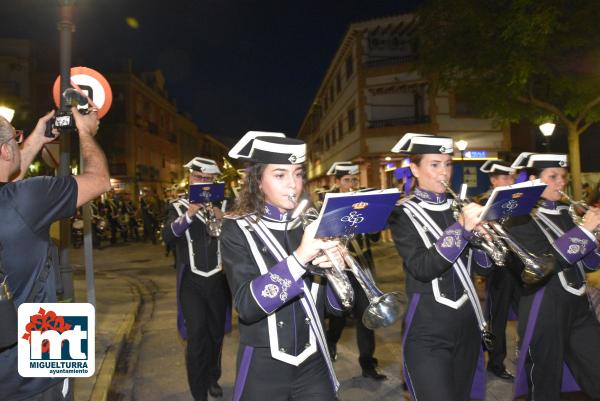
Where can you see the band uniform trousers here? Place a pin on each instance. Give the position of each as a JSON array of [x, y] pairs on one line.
[[563, 319], [203, 302], [441, 351], [503, 293], [271, 380], [365, 338]]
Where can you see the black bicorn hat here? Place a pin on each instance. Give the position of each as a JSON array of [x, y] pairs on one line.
[[269, 148], [540, 160], [497, 167], [203, 165], [414, 144], [340, 169]]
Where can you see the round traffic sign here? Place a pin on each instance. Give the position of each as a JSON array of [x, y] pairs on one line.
[[90, 82]]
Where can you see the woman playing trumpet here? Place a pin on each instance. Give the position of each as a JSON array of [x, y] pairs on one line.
[[283, 351], [560, 334], [444, 321]]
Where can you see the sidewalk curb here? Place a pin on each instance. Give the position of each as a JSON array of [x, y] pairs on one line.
[[108, 367]]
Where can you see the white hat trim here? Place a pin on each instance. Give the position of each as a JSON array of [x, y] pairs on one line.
[[517, 163], [247, 138], [485, 168], [561, 159], [446, 144], [348, 167], [207, 166], [297, 152]]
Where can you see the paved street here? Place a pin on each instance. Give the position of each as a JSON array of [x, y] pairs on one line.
[[140, 356]]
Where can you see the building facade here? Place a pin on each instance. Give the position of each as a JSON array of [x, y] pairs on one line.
[[371, 95]]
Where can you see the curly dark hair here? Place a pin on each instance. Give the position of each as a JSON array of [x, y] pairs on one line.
[[251, 198]]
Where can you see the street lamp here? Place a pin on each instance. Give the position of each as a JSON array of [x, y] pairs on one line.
[[7, 113], [462, 145], [547, 130]]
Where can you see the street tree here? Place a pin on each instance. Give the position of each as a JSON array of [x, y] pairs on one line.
[[518, 59]]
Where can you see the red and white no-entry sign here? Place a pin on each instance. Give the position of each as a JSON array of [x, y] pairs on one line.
[[90, 82]]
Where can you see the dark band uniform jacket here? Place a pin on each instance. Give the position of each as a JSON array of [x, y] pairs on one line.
[[444, 320], [202, 293], [556, 322], [280, 305], [503, 287], [197, 254]]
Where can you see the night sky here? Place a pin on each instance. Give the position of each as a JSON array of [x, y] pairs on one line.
[[233, 66]]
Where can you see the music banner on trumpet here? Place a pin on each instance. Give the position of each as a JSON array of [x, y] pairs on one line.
[[204, 193], [512, 200], [351, 213]]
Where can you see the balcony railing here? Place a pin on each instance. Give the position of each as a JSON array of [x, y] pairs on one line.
[[382, 60], [395, 122]]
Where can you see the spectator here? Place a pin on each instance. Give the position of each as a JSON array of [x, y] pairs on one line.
[[27, 208]]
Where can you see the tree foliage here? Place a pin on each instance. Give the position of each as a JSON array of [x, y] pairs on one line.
[[516, 59]]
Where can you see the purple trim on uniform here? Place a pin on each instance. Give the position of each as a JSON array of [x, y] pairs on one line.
[[180, 225], [276, 287], [548, 204], [521, 177], [574, 245], [520, 386], [452, 242], [481, 258], [591, 261], [430, 197], [410, 314], [273, 213], [478, 385], [240, 380], [180, 319], [332, 299]]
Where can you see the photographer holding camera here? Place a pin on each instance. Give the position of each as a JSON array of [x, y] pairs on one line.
[[27, 209]]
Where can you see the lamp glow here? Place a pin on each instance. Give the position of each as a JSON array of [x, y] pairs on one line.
[[547, 129], [461, 145], [7, 113]]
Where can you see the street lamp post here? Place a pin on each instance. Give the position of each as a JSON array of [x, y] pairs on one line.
[[547, 130], [66, 27]]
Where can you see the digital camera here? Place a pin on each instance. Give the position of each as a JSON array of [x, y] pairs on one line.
[[63, 120]]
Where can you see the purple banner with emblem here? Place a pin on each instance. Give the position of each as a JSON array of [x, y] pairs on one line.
[[512, 200], [204, 193], [355, 212]]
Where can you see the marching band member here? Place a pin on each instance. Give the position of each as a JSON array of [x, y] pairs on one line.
[[280, 303], [502, 284], [444, 322], [202, 293], [346, 180], [560, 334]]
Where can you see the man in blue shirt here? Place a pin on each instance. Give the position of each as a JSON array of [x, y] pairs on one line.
[[27, 209]]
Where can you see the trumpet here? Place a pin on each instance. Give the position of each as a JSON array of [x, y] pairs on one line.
[[535, 267], [213, 225], [384, 308], [577, 218]]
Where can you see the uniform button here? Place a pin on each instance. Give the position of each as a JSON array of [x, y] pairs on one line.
[[263, 249], [280, 323], [443, 295], [283, 350], [191, 240], [440, 279], [570, 284], [307, 320]]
